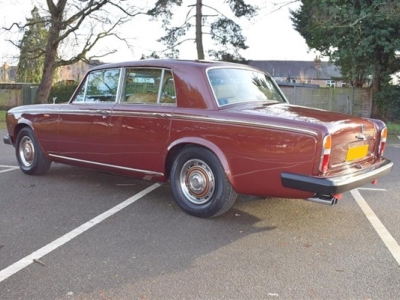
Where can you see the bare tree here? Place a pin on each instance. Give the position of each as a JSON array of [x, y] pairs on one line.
[[77, 25]]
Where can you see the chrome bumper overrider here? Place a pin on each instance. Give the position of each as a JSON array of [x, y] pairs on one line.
[[7, 139]]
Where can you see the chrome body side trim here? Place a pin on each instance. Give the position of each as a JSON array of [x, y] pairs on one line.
[[147, 172], [198, 118], [237, 122]]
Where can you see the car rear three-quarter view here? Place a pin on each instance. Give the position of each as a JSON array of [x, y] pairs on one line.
[[213, 130]]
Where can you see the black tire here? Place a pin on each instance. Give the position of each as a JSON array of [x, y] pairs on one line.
[[199, 183], [30, 156]]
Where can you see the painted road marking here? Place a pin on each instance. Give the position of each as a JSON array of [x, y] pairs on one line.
[[383, 233], [372, 189], [8, 168], [35, 256]]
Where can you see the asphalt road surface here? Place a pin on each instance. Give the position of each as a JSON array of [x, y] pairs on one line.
[[80, 234]]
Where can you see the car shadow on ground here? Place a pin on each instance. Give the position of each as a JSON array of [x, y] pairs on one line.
[[153, 238]]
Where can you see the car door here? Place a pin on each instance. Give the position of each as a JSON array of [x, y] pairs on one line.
[[141, 121], [84, 126]]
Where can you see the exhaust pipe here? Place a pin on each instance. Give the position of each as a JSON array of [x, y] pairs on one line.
[[328, 200]]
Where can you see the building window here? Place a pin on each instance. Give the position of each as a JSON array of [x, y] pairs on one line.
[[330, 83]]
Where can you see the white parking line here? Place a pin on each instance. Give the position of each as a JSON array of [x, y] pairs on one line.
[[8, 168], [383, 233], [372, 189], [35, 256]]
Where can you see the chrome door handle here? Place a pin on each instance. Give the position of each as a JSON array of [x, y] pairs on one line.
[[161, 115], [103, 112]]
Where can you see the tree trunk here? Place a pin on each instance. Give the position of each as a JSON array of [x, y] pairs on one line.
[[43, 92], [376, 88], [375, 113], [50, 57], [199, 33]]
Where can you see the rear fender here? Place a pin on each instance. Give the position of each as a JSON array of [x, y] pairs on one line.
[[206, 144]]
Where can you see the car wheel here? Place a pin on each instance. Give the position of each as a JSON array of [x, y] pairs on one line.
[[30, 156], [199, 183]]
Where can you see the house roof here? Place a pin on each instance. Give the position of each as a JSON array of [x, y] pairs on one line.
[[292, 68]]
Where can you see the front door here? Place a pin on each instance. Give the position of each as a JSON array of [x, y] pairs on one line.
[[84, 126]]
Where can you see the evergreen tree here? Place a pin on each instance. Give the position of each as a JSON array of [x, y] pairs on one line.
[[360, 36], [205, 19], [31, 60]]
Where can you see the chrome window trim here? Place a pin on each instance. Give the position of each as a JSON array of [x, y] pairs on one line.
[[160, 87], [121, 85], [84, 95], [72, 101]]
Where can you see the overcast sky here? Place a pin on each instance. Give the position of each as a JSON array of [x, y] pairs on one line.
[[270, 36]]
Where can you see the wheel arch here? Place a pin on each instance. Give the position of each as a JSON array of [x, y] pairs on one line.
[[177, 145], [18, 127], [25, 123]]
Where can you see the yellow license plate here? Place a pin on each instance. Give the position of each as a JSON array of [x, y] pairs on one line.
[[357, 152]]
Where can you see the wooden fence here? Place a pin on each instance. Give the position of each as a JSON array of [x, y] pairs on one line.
[[355, 101], [12, 95]]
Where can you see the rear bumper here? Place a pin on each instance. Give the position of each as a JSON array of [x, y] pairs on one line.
[[336, 185], [7, 139]]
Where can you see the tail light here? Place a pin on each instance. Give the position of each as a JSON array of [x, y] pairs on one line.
[[326, 153], [382, 142]]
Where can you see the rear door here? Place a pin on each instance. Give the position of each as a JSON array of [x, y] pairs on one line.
[[141, 122]]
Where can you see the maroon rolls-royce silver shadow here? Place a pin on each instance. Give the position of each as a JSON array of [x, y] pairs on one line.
[[213, 130]]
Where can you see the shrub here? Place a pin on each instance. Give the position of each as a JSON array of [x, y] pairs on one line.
[[62, 93], [388, 101]]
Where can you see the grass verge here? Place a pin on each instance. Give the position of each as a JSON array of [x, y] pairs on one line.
[[2, 119], [393, 128]]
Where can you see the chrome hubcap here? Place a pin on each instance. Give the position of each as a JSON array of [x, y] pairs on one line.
[[26, 151], [197, 181]]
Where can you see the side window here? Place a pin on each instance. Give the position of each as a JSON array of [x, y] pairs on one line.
[[142, 85], [100, 86], [168, 95]]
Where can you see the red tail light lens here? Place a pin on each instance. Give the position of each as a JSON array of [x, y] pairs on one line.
[[382, 142], [326, 153]]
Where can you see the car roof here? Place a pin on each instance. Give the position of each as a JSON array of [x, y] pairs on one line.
[[169, 63], [191, 81]]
